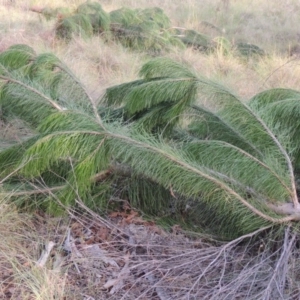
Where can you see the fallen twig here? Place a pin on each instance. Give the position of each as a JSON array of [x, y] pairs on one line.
[[45, 254]]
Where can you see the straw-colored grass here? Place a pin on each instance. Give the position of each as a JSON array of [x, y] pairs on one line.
[[21, 244]]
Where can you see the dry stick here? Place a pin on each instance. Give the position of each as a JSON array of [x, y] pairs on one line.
[[71, 247], [216, 251], [223, 271], [223, 249], [244, 278], [283, 260], [159, 290], [46, 253], [211, 253]]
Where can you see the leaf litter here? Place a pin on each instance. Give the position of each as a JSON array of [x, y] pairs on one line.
[[123, 256]]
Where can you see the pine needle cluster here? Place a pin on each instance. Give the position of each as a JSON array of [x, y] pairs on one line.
[[172, 143], [146, 30]]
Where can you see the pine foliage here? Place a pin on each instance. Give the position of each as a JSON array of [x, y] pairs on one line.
[[248, 50], [143, 29], [174, 144], [139, 29], [194, 39], [280, 109], [148, 30], [88, 19]]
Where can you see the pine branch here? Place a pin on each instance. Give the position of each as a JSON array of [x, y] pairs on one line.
[[237, 169], [147, 148], [217, 128], [201, 174], [219, 153], [64, 68], [50, 101], [288, 162]]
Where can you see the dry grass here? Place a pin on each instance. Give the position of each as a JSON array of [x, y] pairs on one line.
[[19, 248], [99, 64], [273, 26]]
